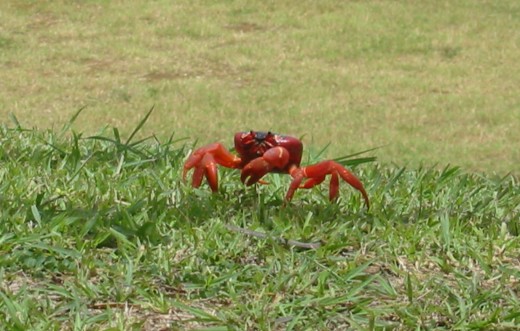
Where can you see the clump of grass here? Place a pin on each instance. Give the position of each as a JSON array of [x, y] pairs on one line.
[[99, 232]]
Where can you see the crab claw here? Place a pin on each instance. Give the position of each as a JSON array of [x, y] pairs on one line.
[[204, 160], [315, 174], [255, 170], [272, 159]]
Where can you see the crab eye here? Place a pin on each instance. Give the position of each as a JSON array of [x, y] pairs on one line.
[[252, 134]]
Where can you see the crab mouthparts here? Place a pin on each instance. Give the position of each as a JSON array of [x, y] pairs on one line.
[[261, 136]]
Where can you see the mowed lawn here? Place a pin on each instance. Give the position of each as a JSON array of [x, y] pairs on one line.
[[433, 82], [98, 231]]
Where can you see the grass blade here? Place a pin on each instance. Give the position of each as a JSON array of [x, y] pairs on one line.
[[198, 313], [14, 119], [71, 121], [140, 125], [14, 310]]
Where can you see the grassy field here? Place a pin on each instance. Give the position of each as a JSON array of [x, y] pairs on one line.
[[432, 81], [98, 232]]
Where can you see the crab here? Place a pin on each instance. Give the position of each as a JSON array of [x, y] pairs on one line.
[[260, 153]]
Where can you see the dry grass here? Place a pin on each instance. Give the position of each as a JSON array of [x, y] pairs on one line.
[[435, 82]]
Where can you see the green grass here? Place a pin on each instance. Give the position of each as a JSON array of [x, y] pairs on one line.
[[99, 232], [432, 81]]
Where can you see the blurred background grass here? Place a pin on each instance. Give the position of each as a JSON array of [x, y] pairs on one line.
[[434, 82]]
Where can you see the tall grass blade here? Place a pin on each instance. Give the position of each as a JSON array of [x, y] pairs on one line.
[[349, 160], [140, 125], [14, 119], [71, 121]]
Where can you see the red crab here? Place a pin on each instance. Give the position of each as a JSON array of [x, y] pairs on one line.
[[262, 152]]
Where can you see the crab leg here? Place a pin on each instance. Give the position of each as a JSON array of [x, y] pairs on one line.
[[315, 174], [205, 160]]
